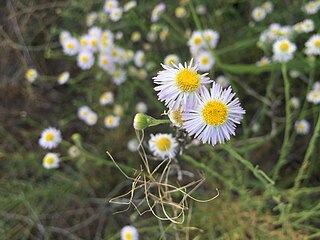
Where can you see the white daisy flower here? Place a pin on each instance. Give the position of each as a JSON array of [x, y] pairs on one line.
[[298, 27], [180, 84], [111, 121], [302, 127], [141, 107], [295, 102], [267, 6], [85, 60], [139, 58], [91, 118], [157, 11], [129, 233], [180, 12], [109, 5], [263, 61], [106, 41], [115, 14], [215, 116], [91, 18], [312, 7], [51, 160], [50, 138], [31, 75], [313, 96], [196, 41], [283, 50], [316, 86], [83, 112], [106, 98], [84, 42], [118, 110], [205, 61], [106, 62], [163, 145], [211, 37], [119, 76], [63, 78], [63, 36], [313, 45], [307, 26], [133, 145], [258, 14], [175, 117], [95, 32], [171, 59], [70, 46], [129, 5], [223, 81], [93, 44]]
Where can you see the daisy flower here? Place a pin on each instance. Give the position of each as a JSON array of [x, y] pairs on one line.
[[129, 5], [70, 46], [215, 116], [118, 110], [196, 41], [63, 36], [157, 11], [267, 6], [91, 118], [298, 27], [311, 7], [106, 98], [175, 117], [180, 12], [263, 61], [295, 102], [91, 18], [129, 233], [51, 160], [258, 14], [31, 75], [63, 78], [313, 45], [83, 112], [115, 14], [283, 50], [302, 127], [211, 37], [171, 59], [85, 60], [307, 25], [139, 58], [106, 63], [205, 61], [180, 84], [111, 121], [223, 81], [109, 5], [141, 107], [163, 145], [313, 97], [119, 76], [316, 86], [50, 138]]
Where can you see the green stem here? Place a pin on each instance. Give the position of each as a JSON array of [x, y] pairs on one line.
[[285, 145]]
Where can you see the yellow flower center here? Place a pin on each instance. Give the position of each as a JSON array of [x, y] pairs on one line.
[[29, 73], [312, 6], [109, 121], [258, 13], [197, 40], [48, 160], [104, 61], [301, 126], [94, 42], [315, 95], [69, 45], [187, 80], [317, 43], [284, 46], [110, 4], [163, 144], [204, 60], [84, 59], [48, 137], [176, 116], [214, 113], [128, 236], [83, 42]]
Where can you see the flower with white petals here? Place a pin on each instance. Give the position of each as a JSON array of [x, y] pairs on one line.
[[307, 26], [313, 96], [267, 6], [133, 145], [211, 37], [85, 60], [83, 112], [263, 61], [91, 118], [205, 61], [171, 59], [115, 14], [312, 7], [258, 14], [214, 117], [71, 46], [313, 45], [119, 76], [157, 11], [50, 138], [295, 102], [163, 145], [283, 50], [63, 78], [106, 98], [302, 127], [196, 41], [139, 58], [180, 12], [111, 121], [63, 36], [51, 160], [316, 86], [129, 233], [129, 5], [31, 75], [223, 81], [109, 5], [180, 85]]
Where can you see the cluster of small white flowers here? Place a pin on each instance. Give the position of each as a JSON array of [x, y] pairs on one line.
[[87, 115], [259, 13], [305, 26], [200, 44], [275, 32]]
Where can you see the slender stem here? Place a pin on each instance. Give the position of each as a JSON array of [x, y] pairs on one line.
[[285, 145], [307, 156]]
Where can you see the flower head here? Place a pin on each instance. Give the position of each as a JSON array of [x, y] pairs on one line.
[[50, 138], [283, 50], [163, 145], [258, 14], [63, 78], [111, 121], [31, 75], [214, 117], [85, 60], [302, 127], [51, 160], [129, 233]]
